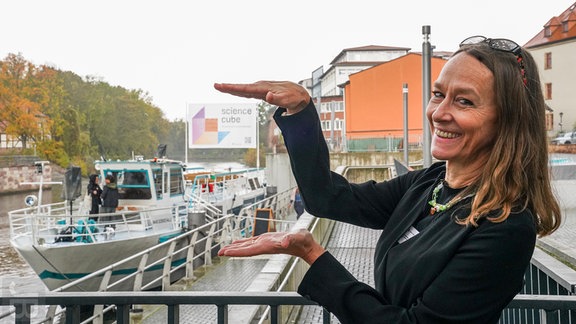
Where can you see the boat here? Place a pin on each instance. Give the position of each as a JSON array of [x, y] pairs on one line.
[[61, 242]]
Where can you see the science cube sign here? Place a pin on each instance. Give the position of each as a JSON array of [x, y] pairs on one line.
[[222, 125]]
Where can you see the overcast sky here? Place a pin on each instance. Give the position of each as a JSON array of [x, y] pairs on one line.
[[175, 50]]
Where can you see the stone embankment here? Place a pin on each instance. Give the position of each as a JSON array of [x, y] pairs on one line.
[[14, 170]]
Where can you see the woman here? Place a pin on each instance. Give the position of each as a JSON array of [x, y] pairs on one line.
[[458, 236], [94, 191]]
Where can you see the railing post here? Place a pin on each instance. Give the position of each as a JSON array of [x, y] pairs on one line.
[[208, 246], [168, 266], [549, 316], [222, 314], [22, 312], [190, 255], [274, 314], [325, 316], [173, 314], [140, 274], [72, 314], [122, 314]]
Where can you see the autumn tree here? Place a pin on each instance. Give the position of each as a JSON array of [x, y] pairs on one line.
[[21, 99]]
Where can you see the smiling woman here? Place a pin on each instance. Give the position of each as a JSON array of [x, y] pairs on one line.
[[457, 237]]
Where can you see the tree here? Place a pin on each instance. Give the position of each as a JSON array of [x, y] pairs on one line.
[[21, 99]]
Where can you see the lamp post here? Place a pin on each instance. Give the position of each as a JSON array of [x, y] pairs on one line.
[[561, 114]]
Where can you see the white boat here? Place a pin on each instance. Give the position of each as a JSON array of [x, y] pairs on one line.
[[62, 243]]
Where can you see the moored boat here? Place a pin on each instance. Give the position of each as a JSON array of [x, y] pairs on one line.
[[62, 242]]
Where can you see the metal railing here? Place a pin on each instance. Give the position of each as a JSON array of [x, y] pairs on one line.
[[196, 246], [122, 301], [548, 295]]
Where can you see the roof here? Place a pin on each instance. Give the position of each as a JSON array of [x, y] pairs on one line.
[[554, 30], [368, 48]]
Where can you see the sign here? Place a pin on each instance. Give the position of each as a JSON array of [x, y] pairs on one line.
[[263, 221], [222, 125]]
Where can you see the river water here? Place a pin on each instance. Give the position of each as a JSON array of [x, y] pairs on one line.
[[16, 277]]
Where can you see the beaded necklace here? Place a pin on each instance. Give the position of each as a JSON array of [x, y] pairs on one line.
[[437, 207]]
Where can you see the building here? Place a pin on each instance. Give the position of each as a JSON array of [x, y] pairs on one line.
[[374, 104], [352, 60], [326, 87], [554, 49]]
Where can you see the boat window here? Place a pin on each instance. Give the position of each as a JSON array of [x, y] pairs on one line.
[[157, 174], [133, 184], [176, 183]]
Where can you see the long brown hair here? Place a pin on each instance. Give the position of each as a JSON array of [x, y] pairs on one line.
[[516, 175]]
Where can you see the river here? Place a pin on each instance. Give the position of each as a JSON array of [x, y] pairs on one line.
[[15, 274], [16, 277]]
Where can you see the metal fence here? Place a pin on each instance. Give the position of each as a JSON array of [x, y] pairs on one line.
[[547, 296]]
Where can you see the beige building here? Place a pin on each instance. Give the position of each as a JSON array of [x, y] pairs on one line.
[[554, 50]]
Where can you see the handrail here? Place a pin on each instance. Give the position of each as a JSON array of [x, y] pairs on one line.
[[173, 299]]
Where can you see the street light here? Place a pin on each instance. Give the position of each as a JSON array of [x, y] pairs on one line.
[[561, 114]]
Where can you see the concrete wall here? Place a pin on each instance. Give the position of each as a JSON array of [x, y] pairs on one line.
[[279, 172]]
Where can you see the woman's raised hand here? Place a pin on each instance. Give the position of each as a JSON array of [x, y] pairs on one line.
[[298, 243], [285, 94]]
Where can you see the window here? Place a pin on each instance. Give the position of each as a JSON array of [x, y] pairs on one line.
[[337, 124], [132, 184], [547, 32], [157, 174], [176, 183], [548, 94], [565, 26], [547, 61]]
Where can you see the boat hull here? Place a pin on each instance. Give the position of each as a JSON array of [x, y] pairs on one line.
[[59, 264]]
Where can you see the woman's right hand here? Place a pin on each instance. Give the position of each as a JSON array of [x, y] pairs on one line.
[[285, 94]]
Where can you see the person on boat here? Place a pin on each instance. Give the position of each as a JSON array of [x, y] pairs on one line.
[[94, 191], [109, 196], [458, 236], [297, 202]]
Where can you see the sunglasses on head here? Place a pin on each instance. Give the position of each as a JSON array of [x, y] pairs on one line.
[[500, 44]]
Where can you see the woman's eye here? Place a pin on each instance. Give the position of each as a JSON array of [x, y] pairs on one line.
[[437, 94], [465, 102]]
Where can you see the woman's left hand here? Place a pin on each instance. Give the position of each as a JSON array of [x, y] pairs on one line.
[[299, 243]]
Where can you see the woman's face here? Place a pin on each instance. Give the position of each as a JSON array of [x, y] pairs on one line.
[[462, 112]]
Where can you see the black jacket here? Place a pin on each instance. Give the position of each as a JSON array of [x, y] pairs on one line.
[[95, 192], [110, 195], [447, 273]]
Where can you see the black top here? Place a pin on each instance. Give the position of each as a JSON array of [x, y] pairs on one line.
[[446, 273]]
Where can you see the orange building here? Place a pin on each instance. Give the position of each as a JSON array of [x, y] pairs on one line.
[[374, 103]]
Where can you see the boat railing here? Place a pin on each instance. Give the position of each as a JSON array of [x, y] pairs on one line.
[[198, 204], [54, 223], [218, 186]]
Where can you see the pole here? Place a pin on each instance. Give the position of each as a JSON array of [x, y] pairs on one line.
[[426, 88], [186, 134], [257, 141], [405, 101], [332, 117]]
